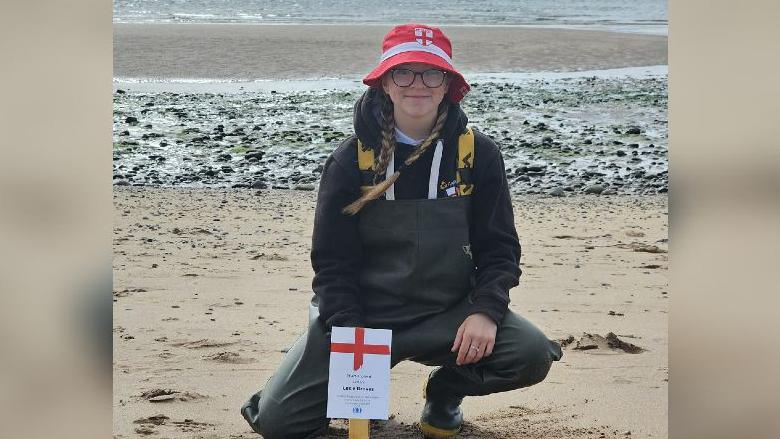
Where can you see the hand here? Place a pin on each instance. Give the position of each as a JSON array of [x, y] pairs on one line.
[[475, 339]]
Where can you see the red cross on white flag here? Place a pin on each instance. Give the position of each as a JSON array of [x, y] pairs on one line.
[[359, 348], [423, 36]]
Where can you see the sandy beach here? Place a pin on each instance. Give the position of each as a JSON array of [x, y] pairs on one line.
[[211, 286], [259, 51]]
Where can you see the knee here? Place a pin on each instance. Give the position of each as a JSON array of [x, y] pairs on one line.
[[536, 373], [532, 361]]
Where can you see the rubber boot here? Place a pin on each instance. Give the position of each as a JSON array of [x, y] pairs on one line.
[[441, 416]]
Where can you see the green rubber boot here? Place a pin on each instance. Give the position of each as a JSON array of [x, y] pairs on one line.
[[441, 417]]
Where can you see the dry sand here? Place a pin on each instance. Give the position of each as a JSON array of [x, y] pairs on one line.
[[211, 286], [315, 51]]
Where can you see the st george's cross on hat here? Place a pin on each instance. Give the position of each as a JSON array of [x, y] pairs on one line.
[[409, 43]]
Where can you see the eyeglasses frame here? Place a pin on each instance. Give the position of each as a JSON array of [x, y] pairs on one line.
[[422, 78]]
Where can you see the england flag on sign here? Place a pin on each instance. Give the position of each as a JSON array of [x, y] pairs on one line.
[[359, 374]]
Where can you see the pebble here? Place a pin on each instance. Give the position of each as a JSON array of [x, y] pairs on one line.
[[259, 184], [595, 189], [556, 192]]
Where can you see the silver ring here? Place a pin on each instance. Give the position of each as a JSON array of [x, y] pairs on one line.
[[476, 349]]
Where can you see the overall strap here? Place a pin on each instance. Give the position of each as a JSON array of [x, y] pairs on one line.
[[465, 162], [433, 192]]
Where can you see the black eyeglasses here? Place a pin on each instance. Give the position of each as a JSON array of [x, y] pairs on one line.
[[405, 77]]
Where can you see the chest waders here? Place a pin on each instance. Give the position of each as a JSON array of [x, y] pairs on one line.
[[416, 278]]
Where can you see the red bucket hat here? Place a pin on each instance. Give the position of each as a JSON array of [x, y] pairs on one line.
[[410, 43]]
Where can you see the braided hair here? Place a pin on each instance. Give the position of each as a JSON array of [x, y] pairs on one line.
[[388, 146]]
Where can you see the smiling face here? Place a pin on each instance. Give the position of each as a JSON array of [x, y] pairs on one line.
[[416, 101]]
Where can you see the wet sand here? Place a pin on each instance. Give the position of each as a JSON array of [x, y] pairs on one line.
[[248, 52], [212, 285]]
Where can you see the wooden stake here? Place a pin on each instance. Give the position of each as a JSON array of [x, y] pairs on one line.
[[358, 429]]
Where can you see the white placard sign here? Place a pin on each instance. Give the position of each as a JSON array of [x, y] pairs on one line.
[[359, 383]]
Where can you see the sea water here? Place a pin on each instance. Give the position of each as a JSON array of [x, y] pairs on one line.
[[648, 16]]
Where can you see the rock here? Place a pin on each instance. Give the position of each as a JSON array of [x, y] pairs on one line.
[[556, 192], [620, 153], [595, 189], [120, 91], [131, 120], [610, 191], [257, 155], [162, 398], [533, 169], [121, 183], [259, 184], [633, 130], [304, 187]]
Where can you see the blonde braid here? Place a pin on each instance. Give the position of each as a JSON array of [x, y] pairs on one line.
[[377, 190], [388, 138]]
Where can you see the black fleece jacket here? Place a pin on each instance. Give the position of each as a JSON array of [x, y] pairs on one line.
[[336, 248]]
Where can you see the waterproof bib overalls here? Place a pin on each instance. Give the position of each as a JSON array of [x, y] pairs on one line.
[[416, 279]]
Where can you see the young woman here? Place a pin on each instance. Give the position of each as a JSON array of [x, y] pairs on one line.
[[414, 232]]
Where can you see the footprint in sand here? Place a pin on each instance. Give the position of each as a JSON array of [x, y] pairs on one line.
[[203, 343], [189, 425], [145, 430], [169, 395], [155, 420], [228, 357]]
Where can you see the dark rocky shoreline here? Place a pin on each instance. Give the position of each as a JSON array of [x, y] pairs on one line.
[[558, 137]]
